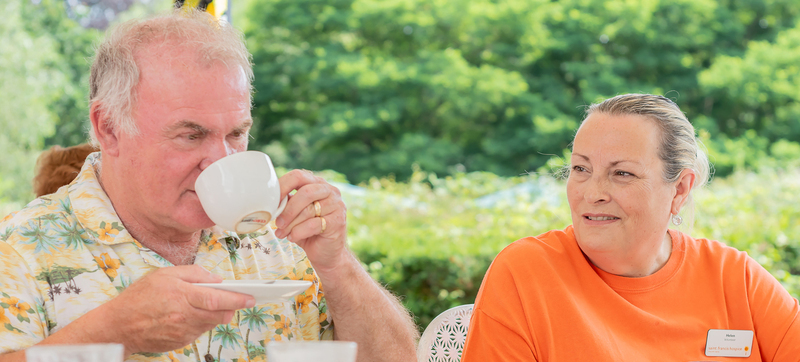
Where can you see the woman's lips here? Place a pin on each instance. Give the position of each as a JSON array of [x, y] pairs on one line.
[[599, 219]]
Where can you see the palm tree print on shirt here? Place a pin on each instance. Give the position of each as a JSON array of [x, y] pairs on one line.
[[253, 319], [70, 233], [227, 337], [34, 233], [62, 275]]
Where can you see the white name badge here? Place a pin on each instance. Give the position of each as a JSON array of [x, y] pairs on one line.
[[729, 343]]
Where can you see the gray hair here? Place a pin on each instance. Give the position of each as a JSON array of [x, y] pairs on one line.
[[679, 149], [115, 74]]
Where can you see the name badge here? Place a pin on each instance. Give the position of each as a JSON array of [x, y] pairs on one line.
[[729, 343]]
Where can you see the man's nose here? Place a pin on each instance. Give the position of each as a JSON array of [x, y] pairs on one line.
[[216, 150], [597, 190]]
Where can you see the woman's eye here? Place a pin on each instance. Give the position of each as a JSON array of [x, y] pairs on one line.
[[578, 168], [193, 137], [623, 173]]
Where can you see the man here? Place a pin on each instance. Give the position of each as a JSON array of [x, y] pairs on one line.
[[112, 257]]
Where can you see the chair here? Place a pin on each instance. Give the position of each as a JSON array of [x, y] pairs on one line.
[[443, 339]]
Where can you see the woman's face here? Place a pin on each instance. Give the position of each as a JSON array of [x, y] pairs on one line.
[[619, 201]]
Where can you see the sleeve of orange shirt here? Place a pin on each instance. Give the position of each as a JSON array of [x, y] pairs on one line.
[[497, 329], [776, 315]]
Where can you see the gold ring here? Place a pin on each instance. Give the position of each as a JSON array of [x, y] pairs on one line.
[[324, 224], [317, 209]]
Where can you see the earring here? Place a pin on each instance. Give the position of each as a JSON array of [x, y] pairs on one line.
[[677, 220]]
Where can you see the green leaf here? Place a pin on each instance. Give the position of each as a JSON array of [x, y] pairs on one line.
[[12, 328]]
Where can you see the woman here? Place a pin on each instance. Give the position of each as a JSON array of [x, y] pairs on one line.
[[618, 285]]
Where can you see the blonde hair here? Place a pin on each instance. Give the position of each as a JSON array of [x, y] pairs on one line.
[[679, 149], [115, 74]]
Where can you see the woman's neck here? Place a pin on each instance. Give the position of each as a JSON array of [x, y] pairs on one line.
[[635, 265]]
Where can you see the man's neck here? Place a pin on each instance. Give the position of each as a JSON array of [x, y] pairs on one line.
[[178, 247], [177, 251]]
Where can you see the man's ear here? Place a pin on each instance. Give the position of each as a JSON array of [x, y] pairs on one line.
[[683, 187], [105, 134]]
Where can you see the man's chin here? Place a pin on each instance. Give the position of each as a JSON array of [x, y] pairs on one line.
[[196, 221], [193, 215], [206, 223]]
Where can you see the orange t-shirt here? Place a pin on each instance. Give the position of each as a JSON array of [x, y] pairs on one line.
[[542, 300]]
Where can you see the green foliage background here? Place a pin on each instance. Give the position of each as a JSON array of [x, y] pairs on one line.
[[371, 87], [39, 87], [430, 105]]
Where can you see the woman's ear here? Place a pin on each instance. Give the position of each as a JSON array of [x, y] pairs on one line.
[[683, 187], [103, 131]]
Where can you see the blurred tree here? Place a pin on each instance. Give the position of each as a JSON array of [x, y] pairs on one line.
[[371, 87], [759, 91], [31, 80], [72, 44], [44, 70]]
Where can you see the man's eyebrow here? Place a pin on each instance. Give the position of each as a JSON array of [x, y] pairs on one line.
[[188, 124], [246, 124]]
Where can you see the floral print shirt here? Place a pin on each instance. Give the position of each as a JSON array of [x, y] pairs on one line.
[[67, 253]]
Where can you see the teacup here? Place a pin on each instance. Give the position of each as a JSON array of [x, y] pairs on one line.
[[317, 351], [240, 192], [75, 353]]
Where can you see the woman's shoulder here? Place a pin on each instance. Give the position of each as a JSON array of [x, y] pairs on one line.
[[547, 248], [712, 251]]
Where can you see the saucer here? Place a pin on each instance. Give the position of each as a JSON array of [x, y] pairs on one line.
[[265, 291]]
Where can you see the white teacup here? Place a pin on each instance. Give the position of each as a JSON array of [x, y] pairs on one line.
[[240, 192], [75, 353], [317, 351]]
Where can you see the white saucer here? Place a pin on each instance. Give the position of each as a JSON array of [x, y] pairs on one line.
[[265, 291]]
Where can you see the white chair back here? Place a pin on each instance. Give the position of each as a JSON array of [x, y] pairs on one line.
[[443, 339]]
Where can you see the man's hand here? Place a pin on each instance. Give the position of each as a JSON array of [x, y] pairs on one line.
[[302, 221], [163, 311], [362, 310]]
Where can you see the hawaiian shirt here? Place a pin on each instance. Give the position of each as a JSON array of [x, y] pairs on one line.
[[67, 253]]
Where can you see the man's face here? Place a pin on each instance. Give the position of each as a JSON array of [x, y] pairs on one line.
[[189, 115]]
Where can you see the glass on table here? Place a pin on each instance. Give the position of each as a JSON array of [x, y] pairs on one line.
[[316, 351], [75, 353]]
